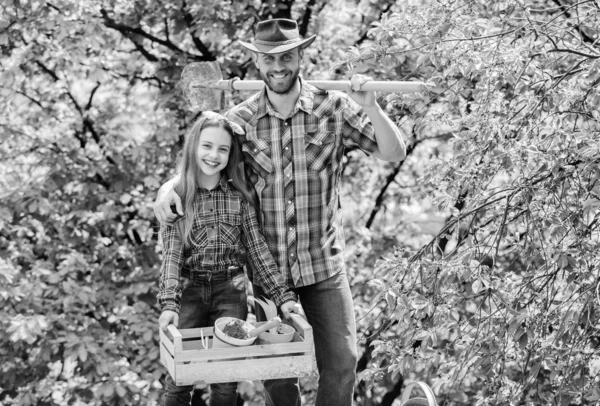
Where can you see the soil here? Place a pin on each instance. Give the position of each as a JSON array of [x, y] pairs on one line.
[[235, 329]]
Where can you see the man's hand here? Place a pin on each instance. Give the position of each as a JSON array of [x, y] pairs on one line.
[[166, 198], [168, 317], [290, 307], [365, 99]]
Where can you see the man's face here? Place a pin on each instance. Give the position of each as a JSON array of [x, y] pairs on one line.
[[279, 71]]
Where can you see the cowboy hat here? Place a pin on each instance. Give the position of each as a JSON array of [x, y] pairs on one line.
[[276, 36]]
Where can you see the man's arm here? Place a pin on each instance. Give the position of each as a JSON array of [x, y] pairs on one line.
[[165, 198], [390, 142]]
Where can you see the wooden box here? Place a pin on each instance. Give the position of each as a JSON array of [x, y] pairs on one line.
[[188, 362]]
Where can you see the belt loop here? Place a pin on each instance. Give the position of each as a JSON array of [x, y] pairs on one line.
[[229, 274]]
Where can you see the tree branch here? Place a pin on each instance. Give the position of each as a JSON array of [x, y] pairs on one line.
[[584, 36], [200, 46], [125, 29], [143, 51], [89, 103], [48, 71], [305, 21], [380, 197], [389, 180], [571, 51]]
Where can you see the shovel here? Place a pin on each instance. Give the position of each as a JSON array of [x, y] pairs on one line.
[[203, 85], [275, 322]]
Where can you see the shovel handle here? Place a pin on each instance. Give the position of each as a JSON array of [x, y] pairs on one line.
[[341, 85], [275, 321]]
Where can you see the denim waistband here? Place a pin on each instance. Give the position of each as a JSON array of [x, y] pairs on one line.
[[215, 276]]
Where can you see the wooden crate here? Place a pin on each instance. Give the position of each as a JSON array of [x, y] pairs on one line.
[[188, 362]]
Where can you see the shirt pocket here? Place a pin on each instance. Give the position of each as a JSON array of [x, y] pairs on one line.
[[200, 235], [320, 146], [258, 152], [230, 229]]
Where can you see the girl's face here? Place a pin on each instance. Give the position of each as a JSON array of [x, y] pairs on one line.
[[212, 154]]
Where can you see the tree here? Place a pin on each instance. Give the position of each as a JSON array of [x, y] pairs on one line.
[[501, 305], [485, 257]]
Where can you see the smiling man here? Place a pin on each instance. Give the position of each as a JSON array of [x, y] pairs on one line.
[[294, 140], [280, 72]]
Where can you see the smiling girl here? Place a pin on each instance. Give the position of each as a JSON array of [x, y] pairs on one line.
[[204, 251]]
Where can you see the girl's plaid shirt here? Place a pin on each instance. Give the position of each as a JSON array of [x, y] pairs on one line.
[[302, 223], [225, 234]]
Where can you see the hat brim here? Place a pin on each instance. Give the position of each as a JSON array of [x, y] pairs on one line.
[[267, 49]]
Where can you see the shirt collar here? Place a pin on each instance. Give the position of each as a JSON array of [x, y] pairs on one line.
[[224, 184]]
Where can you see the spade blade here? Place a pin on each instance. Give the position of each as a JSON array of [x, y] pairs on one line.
[[196, 79]]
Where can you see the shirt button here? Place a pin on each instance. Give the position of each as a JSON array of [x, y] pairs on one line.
[[289, 202], [286, 148], [292, 254], [255, 150]]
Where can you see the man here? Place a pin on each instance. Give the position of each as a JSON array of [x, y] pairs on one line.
[[295, 137]]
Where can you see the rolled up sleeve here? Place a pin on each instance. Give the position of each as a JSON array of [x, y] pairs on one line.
[[358, 132]]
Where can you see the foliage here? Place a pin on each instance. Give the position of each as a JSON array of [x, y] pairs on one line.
[[502, 305], [486, 268]]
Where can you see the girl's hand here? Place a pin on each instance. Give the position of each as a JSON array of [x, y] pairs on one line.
[[290, 307], [168, 317]]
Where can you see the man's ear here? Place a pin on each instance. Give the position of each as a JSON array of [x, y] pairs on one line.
[[255, 59]]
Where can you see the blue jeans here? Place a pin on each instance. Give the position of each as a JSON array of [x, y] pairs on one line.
[[329, 310], [204, 299]]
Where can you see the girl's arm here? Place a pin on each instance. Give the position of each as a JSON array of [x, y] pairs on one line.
[[264, 268], [169, 294]]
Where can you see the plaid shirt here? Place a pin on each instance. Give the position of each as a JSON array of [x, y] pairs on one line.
[[322, 125], [225, 231]]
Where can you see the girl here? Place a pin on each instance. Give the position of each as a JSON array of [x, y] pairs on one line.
[[202, 275]]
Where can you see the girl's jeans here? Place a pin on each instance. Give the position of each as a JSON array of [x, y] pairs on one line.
[[329, 309], [204, 299]]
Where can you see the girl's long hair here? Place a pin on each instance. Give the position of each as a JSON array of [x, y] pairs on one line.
[[188, 170]]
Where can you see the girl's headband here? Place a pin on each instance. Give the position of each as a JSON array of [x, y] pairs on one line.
[[211, 115]]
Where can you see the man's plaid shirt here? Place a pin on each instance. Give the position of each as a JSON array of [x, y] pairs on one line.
[[225, 233], [322, 125]]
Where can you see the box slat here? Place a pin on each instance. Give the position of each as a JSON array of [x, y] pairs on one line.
[[245, 370], [167, 360], [167, 344], [188, 333], [266, 350]]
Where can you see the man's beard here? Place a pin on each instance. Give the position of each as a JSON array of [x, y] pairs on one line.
[[281, 87]]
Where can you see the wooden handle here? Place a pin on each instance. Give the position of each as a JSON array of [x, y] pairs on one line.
[[275, 321], [341, 85]]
